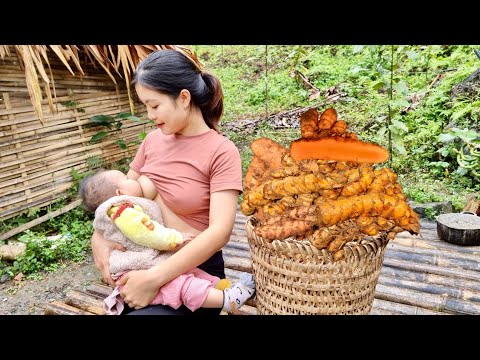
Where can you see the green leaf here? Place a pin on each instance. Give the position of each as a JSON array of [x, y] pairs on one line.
[[102, 120], [401, 87], [446, 137], [412, 55], [123, 115], [399, 103], [399, 125], [440, 163], [357, 48], [382, 131], [128, 116], [98, 136], [444, 151], [400, 148], [378, 85], [142, 135], [121, 143]]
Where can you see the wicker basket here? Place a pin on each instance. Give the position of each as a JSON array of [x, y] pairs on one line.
[[294, 277]]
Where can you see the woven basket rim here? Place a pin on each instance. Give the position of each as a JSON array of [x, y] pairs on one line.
[[355, 250]]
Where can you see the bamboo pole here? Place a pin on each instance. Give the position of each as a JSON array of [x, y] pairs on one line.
[[431, 269], [424, 300], [383, 307], [41, 219], [85, 301], [403, 243], [60, 308], [73, 160], [240, 264], [100, 290], [439, 259], [33, 195], [451, 291], [423, 277]]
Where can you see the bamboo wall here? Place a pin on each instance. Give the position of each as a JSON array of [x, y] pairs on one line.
[[36, 160]]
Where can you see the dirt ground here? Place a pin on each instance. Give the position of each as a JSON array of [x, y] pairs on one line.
[[28, 297]]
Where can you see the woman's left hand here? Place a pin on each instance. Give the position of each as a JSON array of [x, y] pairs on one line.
[[139, 288]]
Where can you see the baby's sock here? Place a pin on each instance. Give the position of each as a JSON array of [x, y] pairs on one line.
[[235, 296]]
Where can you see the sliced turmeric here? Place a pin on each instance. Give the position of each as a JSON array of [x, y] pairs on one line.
[[339, 149]]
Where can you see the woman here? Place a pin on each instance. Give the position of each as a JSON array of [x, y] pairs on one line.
[[196, 170]]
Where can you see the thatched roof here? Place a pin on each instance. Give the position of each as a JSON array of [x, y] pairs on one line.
[[120, 59]]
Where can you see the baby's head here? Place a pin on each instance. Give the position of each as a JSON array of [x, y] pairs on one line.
[[104, 184]]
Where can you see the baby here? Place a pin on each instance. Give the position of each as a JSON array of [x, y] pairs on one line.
[[111, 188]]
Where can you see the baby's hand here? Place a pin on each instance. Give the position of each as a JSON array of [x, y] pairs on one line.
[[187, 237]]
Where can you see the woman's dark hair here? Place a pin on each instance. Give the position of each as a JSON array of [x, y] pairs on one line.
[[169, 71]]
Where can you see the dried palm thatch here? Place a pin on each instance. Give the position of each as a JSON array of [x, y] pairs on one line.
[[119, 59]]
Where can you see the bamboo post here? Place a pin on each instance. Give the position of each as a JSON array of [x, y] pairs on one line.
[[18, 145], [60, 308], [41, 219], [76, 114], [85, 302], [99, 290]]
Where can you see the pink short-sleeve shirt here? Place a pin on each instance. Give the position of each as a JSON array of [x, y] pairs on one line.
[[187, 169]]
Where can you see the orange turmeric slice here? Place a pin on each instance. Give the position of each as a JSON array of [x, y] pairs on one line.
[[339, 149]]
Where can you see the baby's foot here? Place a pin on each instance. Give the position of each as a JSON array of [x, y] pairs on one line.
[[235, 296]]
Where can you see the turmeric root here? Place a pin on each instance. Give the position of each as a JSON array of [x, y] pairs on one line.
[[324, 188], [308, 123], [284, 230], [327, 119], [338, 148], [267, 156]]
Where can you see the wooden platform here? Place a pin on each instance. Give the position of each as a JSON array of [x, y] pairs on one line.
[[420, 275]]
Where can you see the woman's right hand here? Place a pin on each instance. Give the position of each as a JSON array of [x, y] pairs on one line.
[[101, 250]]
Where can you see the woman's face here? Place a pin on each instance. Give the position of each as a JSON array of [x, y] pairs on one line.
[[169, 115]]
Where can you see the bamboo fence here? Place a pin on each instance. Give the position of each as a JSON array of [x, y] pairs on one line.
[[36, 160]]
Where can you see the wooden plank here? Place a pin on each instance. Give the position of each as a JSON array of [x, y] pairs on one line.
[[60, 308]]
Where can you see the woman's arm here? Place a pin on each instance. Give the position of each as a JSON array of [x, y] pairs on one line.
[[132, 174], [141, 287], [101, 250]]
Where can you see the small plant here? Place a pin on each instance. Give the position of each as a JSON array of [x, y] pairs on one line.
[[431, 213], [464, 144], [111, 123]]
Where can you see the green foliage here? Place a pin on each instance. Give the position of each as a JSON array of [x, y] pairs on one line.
[[112, 123], [466, 151], [431, 213], [74, 230]]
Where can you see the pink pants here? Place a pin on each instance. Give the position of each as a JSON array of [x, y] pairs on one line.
[[190, 289]]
